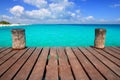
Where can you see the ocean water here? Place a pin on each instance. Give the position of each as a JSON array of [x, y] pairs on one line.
[[61, 35]]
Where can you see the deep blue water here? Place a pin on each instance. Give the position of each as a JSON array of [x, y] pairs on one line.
[[49, 35]]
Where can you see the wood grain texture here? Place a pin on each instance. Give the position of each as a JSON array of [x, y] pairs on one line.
[[63, 63]]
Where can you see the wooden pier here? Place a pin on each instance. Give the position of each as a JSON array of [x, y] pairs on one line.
[[60, 63]]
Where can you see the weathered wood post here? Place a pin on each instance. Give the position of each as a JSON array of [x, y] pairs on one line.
[[18, 39], [99, 38]]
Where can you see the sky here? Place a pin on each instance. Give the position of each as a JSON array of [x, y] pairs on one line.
[[60, 11]]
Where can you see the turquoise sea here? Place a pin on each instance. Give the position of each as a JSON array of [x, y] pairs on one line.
[[59, 35]]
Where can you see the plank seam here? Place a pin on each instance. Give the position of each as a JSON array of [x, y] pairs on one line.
[[44, 73], [12, 64], [111, 54], [81, 64], [22, 64], [59, 78], [116, 48], [115, 51], [69, 64], [105, 65], [9, 58], [6, 54], [3, 50], [95, 66], [34, 64], [107, 58]]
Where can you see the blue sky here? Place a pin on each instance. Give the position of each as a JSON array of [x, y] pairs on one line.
[[61, 11]]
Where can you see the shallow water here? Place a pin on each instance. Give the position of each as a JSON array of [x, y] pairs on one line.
[[49, 35]]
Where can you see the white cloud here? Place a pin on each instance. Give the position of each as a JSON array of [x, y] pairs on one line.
[[75, 20], [6, 17], [61, 9], [51, 11], [39, 14], [37, 3], [78, 11], [56, 11], [61, 3], [73, 14], [56, 7], [89, 18], [58, 1], [17, 10], [14, 19], [118, 19], [115, 5], [103, 20]]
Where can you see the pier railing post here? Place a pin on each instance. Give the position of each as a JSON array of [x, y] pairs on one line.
[[100, 35], [18, 39]]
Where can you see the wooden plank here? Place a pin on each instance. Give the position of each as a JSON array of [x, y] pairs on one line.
[[88, 60], [3, 49], [7, 57], [107, 62], [2, 54], [52, 67], [11, 61], [108, 56], [90, 69], [114, 50], [24, 73], [17, 66], [65, 72], [107, 73], [112, 53], [78, 71], [117, 48], [63, 60], [39, 69]]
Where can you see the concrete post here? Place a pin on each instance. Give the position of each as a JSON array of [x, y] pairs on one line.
[[18, 39], [99, 38]]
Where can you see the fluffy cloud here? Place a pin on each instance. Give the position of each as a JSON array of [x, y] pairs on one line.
[[89, 18], [77, 11], [39, 14], [17, 10], [58, 1], [53, 12], [56, 11], [56, 7], [6, 17], [61, 9], [37, 3]]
